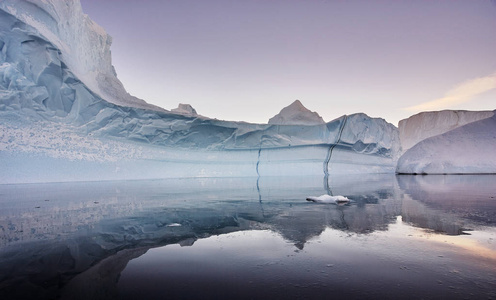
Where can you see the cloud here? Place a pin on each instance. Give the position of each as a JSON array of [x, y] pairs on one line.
[[461, 93]]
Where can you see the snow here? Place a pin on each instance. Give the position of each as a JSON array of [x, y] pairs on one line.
[[468, 149], [427, 124], [329, 199], [296, 114]]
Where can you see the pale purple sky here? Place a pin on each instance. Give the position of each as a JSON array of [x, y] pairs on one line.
[[246, 60]]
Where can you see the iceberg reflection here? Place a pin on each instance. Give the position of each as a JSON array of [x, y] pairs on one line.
[[68, 234], [449, 203]]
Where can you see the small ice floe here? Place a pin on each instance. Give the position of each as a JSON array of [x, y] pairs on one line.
[[329, 199], [173, 225]]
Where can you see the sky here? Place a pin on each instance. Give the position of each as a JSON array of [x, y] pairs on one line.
[[246, 60]]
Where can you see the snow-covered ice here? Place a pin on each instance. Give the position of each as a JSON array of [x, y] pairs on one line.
[[328, 199]]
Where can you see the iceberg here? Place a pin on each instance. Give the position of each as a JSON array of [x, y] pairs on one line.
[[64, 116], [468, 149], [428, 124]]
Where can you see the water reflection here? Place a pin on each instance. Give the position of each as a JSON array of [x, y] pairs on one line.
[[449, 204], [75, 239]]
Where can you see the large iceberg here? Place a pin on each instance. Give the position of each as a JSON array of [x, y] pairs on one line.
[[468, 149], [65, 116]]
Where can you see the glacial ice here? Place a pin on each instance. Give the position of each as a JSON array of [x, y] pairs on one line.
[[61, 32], [427, 124], [328, 199], [469, 149], [64, 116]]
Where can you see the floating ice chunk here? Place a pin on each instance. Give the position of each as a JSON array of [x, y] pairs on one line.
[[329, 199]]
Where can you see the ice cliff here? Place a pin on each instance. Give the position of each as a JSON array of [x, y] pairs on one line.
[[61, 35], [467, 149], [427, 124], [64, 116]]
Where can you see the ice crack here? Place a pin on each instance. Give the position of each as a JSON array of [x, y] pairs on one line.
[[329, 153]]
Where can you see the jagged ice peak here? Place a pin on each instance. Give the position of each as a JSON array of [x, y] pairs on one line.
[[296, 114]]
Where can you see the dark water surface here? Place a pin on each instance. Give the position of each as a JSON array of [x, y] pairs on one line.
[[409, 237]]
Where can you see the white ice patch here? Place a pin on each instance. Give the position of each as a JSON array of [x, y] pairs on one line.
[[329, 199]]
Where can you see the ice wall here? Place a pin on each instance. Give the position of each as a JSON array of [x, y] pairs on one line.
[[82, 44], [42, 151], [64, 116], [427, 124], [469, 149]]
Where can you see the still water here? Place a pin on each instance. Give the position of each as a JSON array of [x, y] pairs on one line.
[[410, 237]]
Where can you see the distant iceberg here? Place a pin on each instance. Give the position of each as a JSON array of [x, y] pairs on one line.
[[296, 114], [185, 109], [428, 124], [468, 149]]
